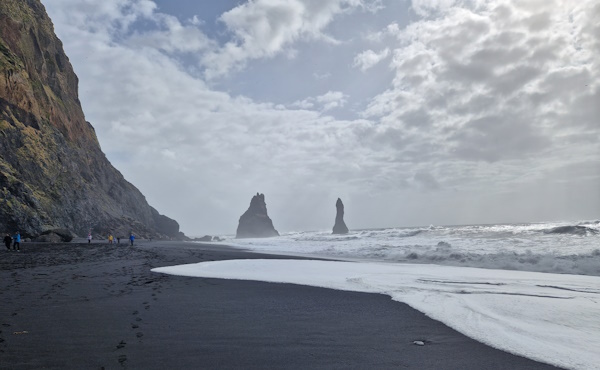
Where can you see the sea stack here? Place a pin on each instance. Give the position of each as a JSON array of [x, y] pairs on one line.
[[255, 223], [340, 226]]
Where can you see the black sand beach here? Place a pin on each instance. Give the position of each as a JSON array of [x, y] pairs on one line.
[[80, 306]]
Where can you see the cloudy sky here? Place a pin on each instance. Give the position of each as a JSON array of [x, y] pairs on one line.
[[413, 112]]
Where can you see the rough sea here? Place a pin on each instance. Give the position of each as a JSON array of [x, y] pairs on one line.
[[557, 247]]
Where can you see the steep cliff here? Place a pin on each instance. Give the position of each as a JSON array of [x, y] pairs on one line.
[[53, 173]]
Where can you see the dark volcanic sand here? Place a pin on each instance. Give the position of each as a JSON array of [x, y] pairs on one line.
[[80, 306]]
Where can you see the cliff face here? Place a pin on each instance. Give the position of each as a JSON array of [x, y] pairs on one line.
[[53, 173], [255, 222]]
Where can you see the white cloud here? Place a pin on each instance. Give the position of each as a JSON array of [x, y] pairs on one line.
[[172, 37], [265, 28], [369, 58], [493, 90], [487, 98], [106, 17], [429, 7], [325, 102]]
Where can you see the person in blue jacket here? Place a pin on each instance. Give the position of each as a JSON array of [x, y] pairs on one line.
[[17, 243], [131, 239]]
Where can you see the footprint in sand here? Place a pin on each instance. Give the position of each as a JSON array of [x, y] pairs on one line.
[[121, 344], [139, 334], [134, 326], [122, 359]]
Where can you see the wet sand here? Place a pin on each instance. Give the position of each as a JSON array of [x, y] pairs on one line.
[[80, 306]]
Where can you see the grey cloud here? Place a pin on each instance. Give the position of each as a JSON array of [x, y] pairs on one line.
[[567, 81], [416, 118], [538, 22], [426, 180], [467, 73], [477, 104], [514, 79], [496, 53], [494, 138], [586, 110]]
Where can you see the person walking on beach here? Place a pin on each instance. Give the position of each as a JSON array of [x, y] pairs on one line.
[[131, 239], [17, 243], [7, 241], [89, 238], [110, 239]]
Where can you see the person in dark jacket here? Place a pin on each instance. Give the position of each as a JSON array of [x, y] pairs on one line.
[[131, 239], [7, 241]]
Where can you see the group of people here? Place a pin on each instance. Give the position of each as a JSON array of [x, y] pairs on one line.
[[111, 239], [15, 240]]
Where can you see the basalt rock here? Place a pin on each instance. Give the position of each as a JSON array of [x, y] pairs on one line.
[[64, 234], [208, 238], [55, 236], [53, 174], [48, 238], [255, 223], [340, 226]]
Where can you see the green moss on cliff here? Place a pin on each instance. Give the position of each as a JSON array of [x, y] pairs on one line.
[[7, 59], [17, 10], [5, 126]]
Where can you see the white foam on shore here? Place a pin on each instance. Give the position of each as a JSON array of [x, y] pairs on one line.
[[551, 318]]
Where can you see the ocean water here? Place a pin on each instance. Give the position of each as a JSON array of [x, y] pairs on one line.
[[558, 247], [463, 276]]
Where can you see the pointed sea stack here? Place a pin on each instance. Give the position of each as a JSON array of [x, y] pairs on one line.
[[340, 226], [255, 223]]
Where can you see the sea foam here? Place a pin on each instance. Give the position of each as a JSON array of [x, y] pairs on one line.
[[552, 318]]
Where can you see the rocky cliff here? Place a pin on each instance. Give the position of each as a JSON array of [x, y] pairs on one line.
[[255, 222], [53, 173], [340, 226]]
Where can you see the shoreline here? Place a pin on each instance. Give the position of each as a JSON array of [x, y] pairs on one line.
[[74, 305]]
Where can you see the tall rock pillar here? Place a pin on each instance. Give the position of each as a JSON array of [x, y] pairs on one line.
[[255, 223], [340, 226]]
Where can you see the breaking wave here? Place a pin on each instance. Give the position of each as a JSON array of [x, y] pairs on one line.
[[568, 248]]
